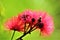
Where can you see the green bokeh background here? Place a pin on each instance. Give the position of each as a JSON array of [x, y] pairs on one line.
[[9, 8]]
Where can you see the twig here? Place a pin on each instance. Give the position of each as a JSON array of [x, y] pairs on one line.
[[13, 35]]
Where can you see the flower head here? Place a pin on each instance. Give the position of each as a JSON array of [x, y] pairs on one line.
[[14, 24], [28, 16], [25, 16], [34, 17], [45, 23]]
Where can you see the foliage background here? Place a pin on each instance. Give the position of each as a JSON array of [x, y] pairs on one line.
[[9, 8]]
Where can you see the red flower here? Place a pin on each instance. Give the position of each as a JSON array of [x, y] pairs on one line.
[[28, 16], [25, 16], [45, 24], [14, 24], [34, 17]]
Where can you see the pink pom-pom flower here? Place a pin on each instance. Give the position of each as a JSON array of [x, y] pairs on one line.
[[45, 23], [14, 24]]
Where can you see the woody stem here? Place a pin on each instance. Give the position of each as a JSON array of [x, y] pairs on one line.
[[32, 29]]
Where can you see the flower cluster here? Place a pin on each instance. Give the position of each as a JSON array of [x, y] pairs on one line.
[[29, 20]]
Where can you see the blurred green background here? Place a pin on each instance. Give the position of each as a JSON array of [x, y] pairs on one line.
[[9, 8]]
